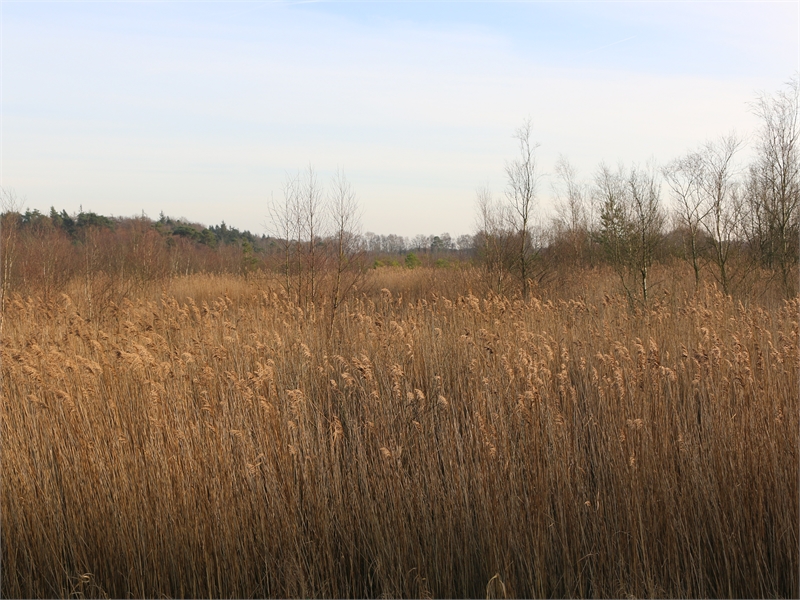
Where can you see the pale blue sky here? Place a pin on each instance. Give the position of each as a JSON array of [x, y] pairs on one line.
[[199, 109]]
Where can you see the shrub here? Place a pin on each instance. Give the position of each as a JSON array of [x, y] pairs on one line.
[[412, 261]]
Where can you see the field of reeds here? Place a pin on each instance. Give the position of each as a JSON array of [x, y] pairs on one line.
[[214, 439]]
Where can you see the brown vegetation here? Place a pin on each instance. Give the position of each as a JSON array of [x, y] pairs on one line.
[[215, 441], [569, 410]]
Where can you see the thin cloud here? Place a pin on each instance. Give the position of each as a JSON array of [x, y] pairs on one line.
[[160, 109], [611, 44]]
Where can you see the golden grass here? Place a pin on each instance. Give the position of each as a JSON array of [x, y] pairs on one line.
[[470, 446]]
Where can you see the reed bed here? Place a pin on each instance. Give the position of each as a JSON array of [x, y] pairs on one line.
[[461, 446]]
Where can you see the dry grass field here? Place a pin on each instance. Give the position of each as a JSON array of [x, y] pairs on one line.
[[213, 440]]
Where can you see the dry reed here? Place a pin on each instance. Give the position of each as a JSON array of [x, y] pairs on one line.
[[224, 446]]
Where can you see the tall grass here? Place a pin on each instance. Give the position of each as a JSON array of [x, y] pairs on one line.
[[432, 446]]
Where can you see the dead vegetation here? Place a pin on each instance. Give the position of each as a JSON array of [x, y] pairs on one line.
[[216, 442]]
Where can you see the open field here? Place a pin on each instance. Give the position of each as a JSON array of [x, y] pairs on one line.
[[214, 440]]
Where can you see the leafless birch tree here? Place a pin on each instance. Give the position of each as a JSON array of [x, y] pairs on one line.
[[284, 220], [723, 211], [493, 240], [647, 220], [522, 182], [773, 190], [572, 208], [345, 219], [684, 178], [631, 223]]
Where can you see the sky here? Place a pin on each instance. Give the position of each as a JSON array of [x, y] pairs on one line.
[[202, 110]]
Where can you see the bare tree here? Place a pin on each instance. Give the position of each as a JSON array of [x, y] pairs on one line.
[[572, 208], [614, 231], [284, 221], [722, 210], [684, 178], [299, 223], [647, 220], [394, 244], [631, 223], [10, 207], [522, 183], [421, 242], [346, 221], [372, 242], [773, 191], [465, 242], [493, 240], [313, 211], [321, 242]]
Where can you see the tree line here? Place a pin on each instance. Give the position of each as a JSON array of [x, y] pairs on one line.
[[733, 224]]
